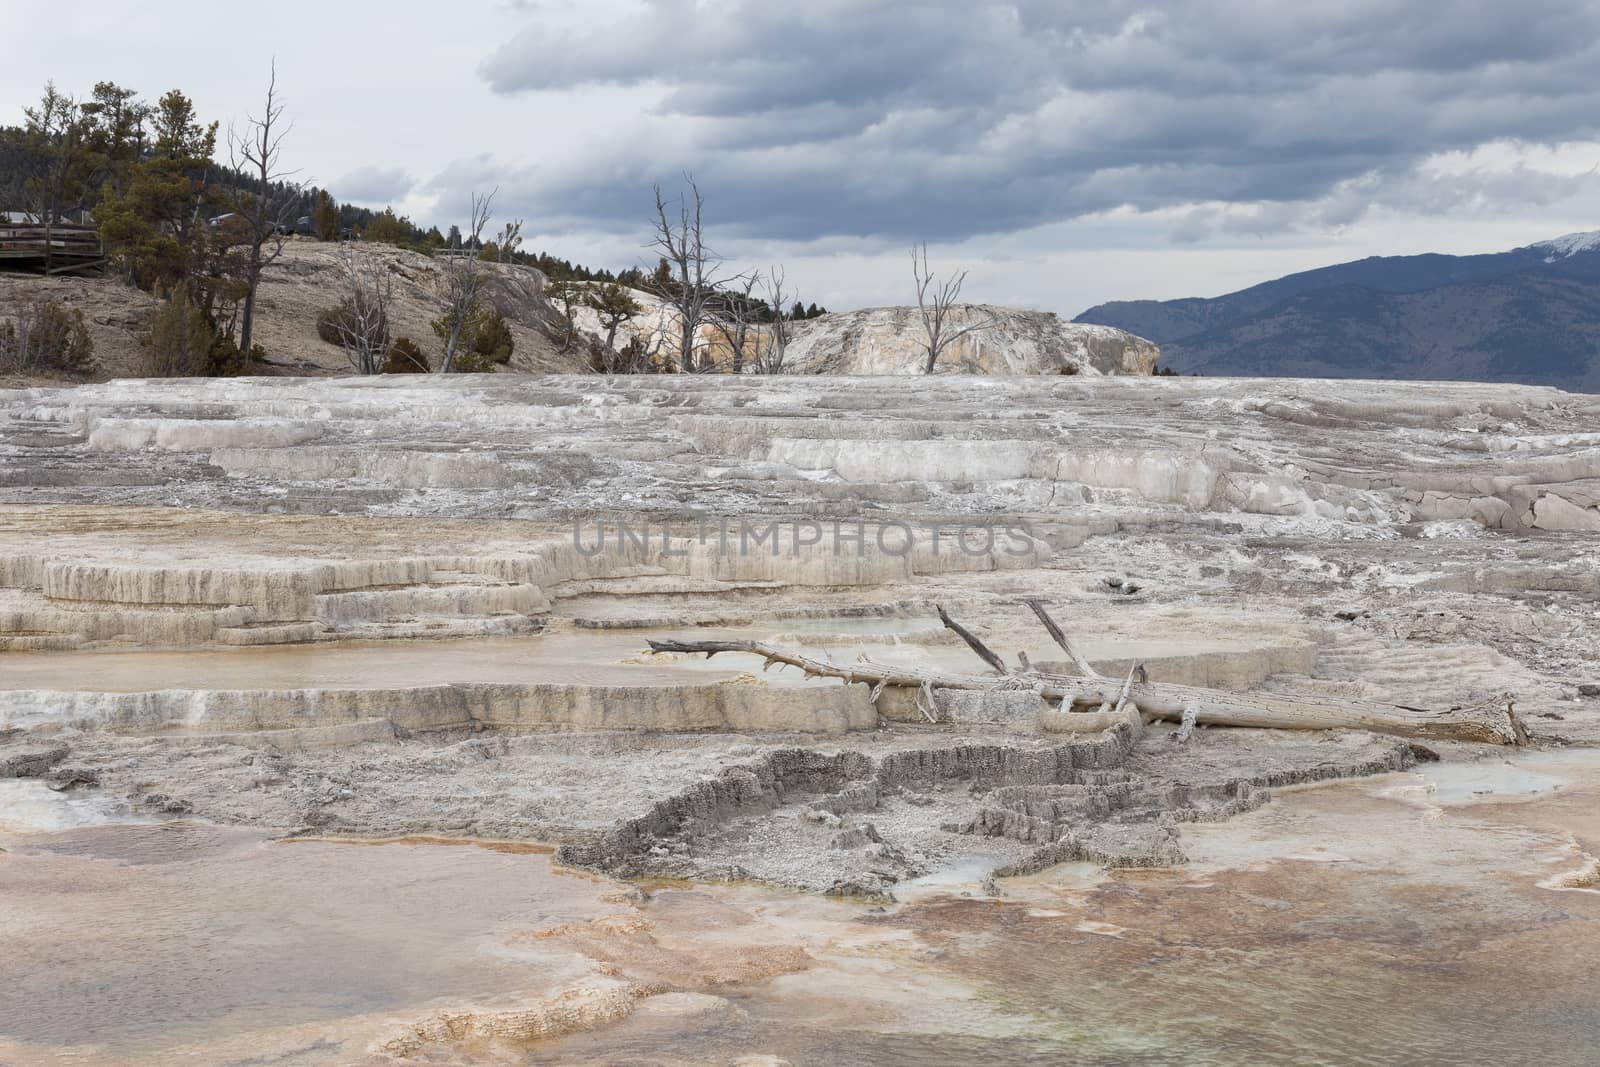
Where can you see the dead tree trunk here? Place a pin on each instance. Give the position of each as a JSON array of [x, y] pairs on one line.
[[1060, 638], [691, 277], [1493, 722], [463, 279], [935, 303], [256, 151], [984, 652]]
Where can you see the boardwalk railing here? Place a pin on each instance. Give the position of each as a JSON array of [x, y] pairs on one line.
[[57, 249]]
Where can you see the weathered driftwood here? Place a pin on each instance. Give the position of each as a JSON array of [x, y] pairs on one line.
[[1059, 637], [984, 652], [1491, 722]]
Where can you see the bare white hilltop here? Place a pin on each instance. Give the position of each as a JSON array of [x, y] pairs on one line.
[[893, 340]]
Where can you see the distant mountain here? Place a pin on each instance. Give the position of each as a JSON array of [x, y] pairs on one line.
[[1530, 315]]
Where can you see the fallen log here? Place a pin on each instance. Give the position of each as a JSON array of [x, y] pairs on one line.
[[1491, 722], [1060, 638], [984, 652]]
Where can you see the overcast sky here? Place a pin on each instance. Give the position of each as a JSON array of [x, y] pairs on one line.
[[1064, 153]]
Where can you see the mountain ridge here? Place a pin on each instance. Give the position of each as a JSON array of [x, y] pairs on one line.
[[1528, 315]]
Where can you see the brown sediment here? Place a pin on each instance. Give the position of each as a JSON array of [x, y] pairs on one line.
[[515, 848], [1397, 941]]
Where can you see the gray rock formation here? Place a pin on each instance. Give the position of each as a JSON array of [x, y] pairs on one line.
[[891, 340]]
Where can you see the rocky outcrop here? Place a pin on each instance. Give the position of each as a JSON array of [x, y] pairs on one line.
[[892, 340]]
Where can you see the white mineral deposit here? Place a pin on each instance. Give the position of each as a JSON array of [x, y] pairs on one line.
[[563, 585]]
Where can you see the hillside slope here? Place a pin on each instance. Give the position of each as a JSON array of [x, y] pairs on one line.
[[308, 278], [1530, 315], [304, 281]]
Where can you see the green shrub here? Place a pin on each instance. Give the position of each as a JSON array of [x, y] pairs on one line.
[[179, 342], [485, 343], [328, 325], [470, 362], [405, 357], [45, 338], [492, 338]]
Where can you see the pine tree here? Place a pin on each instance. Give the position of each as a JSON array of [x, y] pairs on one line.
[[56, 137], [152, 226], [326, 217], [615, 305], [115, 135], [389, 228]]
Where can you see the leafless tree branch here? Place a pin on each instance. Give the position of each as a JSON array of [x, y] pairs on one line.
[[734, 317], [772, 345], [463, 280], [934, 301], [692, 268], [363, 322], [257, 150]]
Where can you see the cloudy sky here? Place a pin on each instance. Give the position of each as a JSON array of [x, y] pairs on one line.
[[1065, 153]]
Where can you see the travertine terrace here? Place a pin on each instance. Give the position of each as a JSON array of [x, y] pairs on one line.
[[420, 605]]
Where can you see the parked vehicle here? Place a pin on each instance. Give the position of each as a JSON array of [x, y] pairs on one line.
[[239, 225]]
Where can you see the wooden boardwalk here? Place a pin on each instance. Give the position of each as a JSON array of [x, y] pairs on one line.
[[58, 249]]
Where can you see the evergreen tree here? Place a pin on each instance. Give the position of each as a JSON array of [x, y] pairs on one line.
[[615, 306], [326, 217], [661, 280], [115, 134], [153, 227], [176, 133], [55, 141], [389, 228]]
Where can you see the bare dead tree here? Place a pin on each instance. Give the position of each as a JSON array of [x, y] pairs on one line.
[[771, 346], [691, 277], [463, 282], [935, 300], [734, 316], [363, 319], [642, 352], [508, 240], [266, 207]]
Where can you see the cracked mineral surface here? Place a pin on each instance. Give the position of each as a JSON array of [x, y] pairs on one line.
[[245, 624]]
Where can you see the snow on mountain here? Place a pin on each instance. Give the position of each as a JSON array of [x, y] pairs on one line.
[[1568, 245]]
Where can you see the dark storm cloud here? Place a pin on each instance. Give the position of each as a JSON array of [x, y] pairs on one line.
[[945, 120]]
